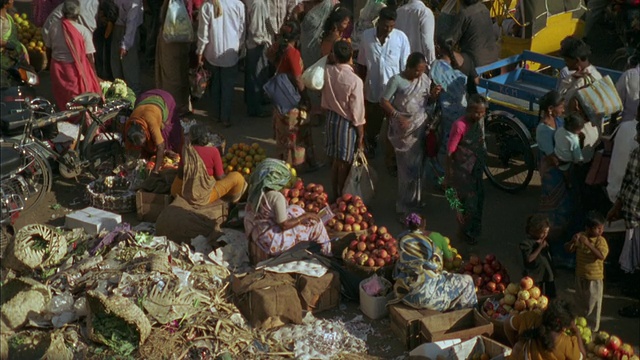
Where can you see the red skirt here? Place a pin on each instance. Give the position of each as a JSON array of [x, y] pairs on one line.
[[66, 83]]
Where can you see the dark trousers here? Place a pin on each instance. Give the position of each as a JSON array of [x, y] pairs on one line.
[[223, 80], [103, 54], [377, 126], [255, 76], [153, 25]]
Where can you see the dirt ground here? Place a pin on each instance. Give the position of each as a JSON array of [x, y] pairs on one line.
[[504, 219]]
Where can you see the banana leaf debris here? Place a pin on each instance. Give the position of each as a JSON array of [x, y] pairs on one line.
[[126, 294]]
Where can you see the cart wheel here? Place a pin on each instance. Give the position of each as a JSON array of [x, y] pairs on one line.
[[510, 160]]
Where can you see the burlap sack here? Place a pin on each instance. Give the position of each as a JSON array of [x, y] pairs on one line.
[[181, 222], [19, 298], [267, 300], [22, 255], [319, 294], [118, 306]]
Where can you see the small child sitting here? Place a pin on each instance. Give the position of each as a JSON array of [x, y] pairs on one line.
[[536, 256], [567, 144]]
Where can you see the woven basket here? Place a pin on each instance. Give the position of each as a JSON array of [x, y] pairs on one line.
[[21, 255], [19, 299], [343, 239], [118, 306], [112, 194], [498, 325], [366, 271]]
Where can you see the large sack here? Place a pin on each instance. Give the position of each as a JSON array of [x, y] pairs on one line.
[[19, 299], [181, 222], [319, 294]]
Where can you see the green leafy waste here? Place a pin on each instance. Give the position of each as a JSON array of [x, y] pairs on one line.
[[39, 243], [114, 332]]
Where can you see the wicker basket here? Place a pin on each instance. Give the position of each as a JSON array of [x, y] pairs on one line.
[[112, 194], [367, 271], [498, 325], [21, 298], [343, 239], [33, 246], [118, 306]]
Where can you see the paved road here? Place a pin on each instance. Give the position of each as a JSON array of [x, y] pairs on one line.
[[504, 218]]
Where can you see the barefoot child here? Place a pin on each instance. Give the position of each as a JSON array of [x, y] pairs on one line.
[[536, 256], [591, 249]]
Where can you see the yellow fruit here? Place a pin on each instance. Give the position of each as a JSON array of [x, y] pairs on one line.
[[32, 44], [24, 16], [294, 173], [255, 146], [246, 171], [229, 169]]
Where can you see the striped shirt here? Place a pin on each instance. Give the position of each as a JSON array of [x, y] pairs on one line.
[[588, 266]]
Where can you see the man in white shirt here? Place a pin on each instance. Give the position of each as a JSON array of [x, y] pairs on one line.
[[383, 52], [628, 87], [264, 18], [416, 20], [221, 38], [125, 40]]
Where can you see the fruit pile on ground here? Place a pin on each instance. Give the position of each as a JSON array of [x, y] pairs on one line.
[[583, 328], [28, 34], [605, 346], [517, 299], [374, 250], [311, 198], [454, 263], [351, 215], [243, 158], [489, 276]]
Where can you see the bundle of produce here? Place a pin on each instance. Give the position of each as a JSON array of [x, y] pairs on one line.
[[489, 276], [375, 250], [605, 346], [351, 215], [168, 163], [311, 198], [116, 90], [243, 158]]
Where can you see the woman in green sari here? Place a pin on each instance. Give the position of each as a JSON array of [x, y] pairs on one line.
[[12, 50], [465, 164]]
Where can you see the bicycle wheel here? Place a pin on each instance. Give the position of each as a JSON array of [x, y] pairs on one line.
[[37, 178], [510, 161]]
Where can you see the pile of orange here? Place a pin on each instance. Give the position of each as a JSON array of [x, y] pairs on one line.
[[243, 158]]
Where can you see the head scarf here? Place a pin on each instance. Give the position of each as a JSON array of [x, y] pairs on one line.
[[270, 173]]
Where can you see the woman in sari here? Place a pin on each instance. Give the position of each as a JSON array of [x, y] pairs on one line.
[[465, 163], [271, 226], [172, 69], [405, 102], [12, 50], [420, 280], [72, 65], [201, 179], [290, 133], [334, 29], [154, 127]]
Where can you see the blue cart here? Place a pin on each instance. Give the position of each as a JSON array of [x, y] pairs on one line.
[[513, 115]]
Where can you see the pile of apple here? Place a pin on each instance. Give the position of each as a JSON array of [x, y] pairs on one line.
[[605, 346], [524, 297], [351, 215], [311, 198], [489, 276], [377, 249]]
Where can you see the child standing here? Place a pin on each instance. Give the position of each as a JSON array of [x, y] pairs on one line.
[[591, 249], [567, 144], [536, 256]]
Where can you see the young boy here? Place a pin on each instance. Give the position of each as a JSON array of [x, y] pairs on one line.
[[536, 256], [591, 249], [567, 147]]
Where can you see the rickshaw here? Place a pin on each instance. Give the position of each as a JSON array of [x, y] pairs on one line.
[[513, 115]]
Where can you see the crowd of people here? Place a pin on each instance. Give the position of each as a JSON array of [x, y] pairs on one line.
[[378, 90]]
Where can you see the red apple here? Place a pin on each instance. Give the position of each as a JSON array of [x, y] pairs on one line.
[[286, 192], [490, 258], [348, 228], [319, 189], [383, 253], [357, 198], [468, 267], [474, 260], [364, 225], [601, 351], [497, 278], [373, 237], [363, 209], [356, 227], [526, 283], [487, 269], [380, 262], [614, 343], [362, 237], [350, 254], [491, 286], [386, 236], [346, 197], [380, 243], [349, 220], [295, 193], [373, 228], [358, 218], [500, 287], [371, 246], [382, 230], [496, 265], [371, 262], [339, 227], [299, 185], [362, 246], [309, 207], [392, 250], [353, 244], [388, 259]]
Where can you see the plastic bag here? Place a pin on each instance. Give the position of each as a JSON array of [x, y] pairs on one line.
[[199, 79], [177, 23], [361, 178], [313, 76]]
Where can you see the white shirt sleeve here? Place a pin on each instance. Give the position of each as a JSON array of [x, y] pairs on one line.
[[427, 30], [405, 51], [206, 11]]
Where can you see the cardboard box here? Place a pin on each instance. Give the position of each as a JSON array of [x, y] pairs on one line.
[[92, 220], [150, 205], [460, 324], [405, 323]]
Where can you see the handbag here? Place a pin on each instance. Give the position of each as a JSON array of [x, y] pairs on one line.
[[599, 169], [361, 179], [199, 79], [599, 98], [313, 76], [177, 23], [282, 93]]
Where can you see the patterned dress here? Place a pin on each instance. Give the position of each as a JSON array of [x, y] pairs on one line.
[[421, 282]]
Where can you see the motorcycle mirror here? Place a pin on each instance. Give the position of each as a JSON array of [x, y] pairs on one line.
[[29, 77], [39, 103]]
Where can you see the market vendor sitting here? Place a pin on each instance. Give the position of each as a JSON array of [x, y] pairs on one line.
[[542, 336], [153, 127], [201, 179], [271, 226], [420, 280]]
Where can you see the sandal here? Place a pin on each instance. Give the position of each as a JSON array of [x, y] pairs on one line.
[[631, 311]]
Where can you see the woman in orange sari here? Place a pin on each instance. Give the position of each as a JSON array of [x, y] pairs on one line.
[[72, 65]]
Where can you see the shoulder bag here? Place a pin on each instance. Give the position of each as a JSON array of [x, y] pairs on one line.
[[282, 92]]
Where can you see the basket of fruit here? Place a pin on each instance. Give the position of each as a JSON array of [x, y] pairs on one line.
[[112, 193], [489, 276], [311, 198], [373, 253], [243, 158], [351, 218], [31, 37]]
